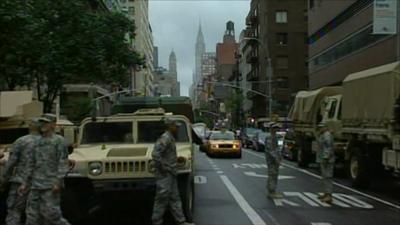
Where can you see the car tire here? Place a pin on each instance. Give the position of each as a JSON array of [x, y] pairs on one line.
[[186, 189], [358, 169], [72, 206]]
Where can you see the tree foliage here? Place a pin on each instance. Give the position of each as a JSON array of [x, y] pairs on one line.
[[55, 42]]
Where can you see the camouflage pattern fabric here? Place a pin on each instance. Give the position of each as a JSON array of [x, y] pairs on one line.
[[273, 156], [44, 208], [167, 193], [48, 168], [16, 169], [327, 160], [15, 205], [50, 163]]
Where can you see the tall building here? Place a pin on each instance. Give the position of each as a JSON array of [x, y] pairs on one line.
[[341, 41], [276, 30], [199, 51], [226, 60], [166, 81], [142, 78]]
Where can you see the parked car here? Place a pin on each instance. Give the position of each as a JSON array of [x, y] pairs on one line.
[[259, 140], [247, 136]]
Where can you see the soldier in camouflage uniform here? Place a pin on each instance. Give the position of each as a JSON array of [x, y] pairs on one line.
[[273, 155], [48, 169], [327, 160], [15, 172], [167, 193]]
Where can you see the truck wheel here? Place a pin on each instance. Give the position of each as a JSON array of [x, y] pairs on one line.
[[302, 158], [358, 169], [186, 188]]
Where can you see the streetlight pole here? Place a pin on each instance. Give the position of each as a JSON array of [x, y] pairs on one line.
[[269, 72]]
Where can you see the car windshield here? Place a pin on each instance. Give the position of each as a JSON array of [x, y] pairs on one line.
[[252, 131], [262, 136], [222, 136], [150, 131], [107, 132]]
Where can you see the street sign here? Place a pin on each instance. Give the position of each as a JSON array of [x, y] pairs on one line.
[[385, 17]]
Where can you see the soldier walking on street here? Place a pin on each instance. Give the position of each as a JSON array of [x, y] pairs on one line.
[[15, 172], [273, 155], [327, 161], [167, 193], [47, 171]]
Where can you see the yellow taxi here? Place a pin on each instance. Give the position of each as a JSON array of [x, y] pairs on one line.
[[223, 143]]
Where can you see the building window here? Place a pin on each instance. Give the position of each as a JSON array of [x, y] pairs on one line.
[[281, 16], [305, 16], [312, 4], [362, 39], [282, 38], [282, 62]]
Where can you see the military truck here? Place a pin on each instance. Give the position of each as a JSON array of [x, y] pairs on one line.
[[364, 115], [115, 155]]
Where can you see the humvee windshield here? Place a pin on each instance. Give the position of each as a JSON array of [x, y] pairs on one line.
[[107, 132], [8, 136], [150, 131]]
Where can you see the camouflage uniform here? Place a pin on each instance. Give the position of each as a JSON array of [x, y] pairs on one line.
[[327, 160], [273, 156], [167, 193], [15, 172], [49, 169]]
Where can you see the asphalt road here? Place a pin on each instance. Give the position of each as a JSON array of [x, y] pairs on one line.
[[232, 192]]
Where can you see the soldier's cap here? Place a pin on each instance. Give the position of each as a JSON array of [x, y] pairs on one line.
[[51, 117], [35, 122], [43, 120], [171, 122]]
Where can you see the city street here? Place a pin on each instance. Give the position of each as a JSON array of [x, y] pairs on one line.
[[232, 192]]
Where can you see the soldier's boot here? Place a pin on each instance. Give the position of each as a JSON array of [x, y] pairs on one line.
[[327, 199], [274, 195], [320, 197]]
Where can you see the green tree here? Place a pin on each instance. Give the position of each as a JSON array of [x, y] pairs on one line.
[[65, 42]]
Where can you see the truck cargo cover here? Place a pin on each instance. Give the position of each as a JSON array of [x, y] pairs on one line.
[[369, 95], [307, 103]]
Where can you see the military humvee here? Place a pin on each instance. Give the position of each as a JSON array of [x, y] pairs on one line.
[[114, 155]]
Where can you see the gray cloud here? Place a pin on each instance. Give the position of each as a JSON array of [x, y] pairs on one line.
[[175, 25]]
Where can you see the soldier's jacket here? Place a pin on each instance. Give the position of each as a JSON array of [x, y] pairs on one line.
[[272, 149], [49, 165], [164, 154], [16, 169], [326, 151]]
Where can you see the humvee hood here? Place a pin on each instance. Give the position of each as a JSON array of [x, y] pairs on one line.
[[99, 152]]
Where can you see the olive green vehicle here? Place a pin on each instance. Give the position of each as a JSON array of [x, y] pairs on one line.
[[114, 155]]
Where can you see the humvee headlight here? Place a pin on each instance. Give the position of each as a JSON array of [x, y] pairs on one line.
[[181, 161], [95, 168], [214, 146], [151, 166]]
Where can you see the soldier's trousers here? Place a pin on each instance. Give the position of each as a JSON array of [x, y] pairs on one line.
[[167, 196], [273, 173], [44, 208], [15, 205], [327, 177]]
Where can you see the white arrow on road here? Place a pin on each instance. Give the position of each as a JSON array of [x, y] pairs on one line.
[[280, 177]]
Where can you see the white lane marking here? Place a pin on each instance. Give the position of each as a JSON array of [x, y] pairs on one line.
[[302, 197], [320, 223], [251, 165], [248, 210], [220, 172], [353, 201], [335, 183], [254, 174], [335, 201], [200, 179], [281, 202]]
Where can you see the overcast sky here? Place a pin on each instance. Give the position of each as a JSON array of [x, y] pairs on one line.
[[175, 25]]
